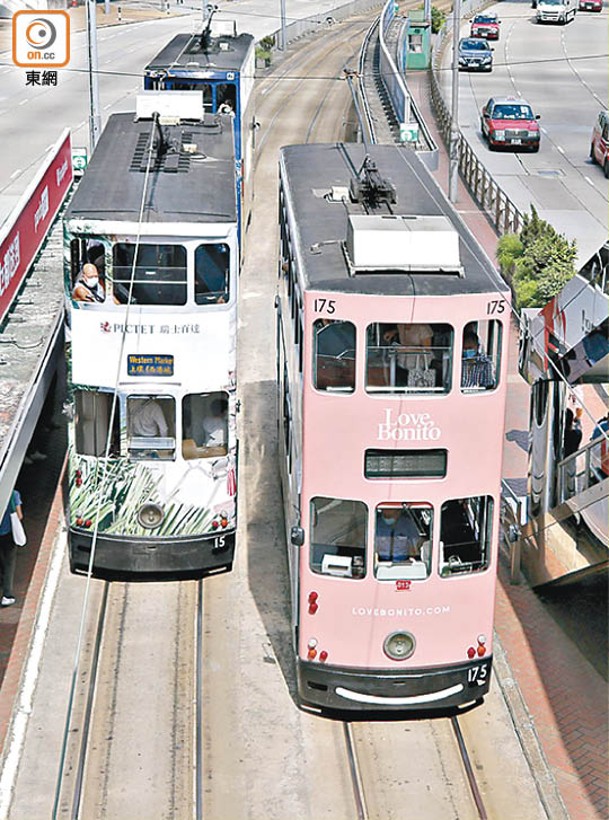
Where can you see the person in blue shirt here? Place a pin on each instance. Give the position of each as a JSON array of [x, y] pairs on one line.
[[8, 550], [397, 536]]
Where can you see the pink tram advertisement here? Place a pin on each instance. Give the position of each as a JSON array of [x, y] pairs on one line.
[[391, 362]]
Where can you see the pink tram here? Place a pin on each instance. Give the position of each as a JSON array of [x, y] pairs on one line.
[[391, 362]]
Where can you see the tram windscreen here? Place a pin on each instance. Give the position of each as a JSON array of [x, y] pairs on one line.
[[159, 276], [212, 274], [405, 463]]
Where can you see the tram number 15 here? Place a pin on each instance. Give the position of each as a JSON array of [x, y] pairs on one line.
[[477, 675], [324, 305], [495, 306]]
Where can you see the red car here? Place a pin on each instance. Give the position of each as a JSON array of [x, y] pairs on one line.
[[487, 25], [590, 5], [509, 121]]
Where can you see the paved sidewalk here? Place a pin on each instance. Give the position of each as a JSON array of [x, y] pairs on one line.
[[565, 696]]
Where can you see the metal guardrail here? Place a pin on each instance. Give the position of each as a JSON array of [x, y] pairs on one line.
[[582, 469], [500, 209]]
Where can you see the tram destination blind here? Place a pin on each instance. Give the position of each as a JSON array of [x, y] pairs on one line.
[[405, 463]]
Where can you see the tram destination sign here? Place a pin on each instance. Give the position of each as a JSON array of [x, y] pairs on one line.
[[405, 464], [149, 364]]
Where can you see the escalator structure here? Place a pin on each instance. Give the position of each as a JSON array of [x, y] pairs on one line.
[[564, 354]]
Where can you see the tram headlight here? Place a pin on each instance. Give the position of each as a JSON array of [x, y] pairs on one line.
[[399, 646], [150, 515]]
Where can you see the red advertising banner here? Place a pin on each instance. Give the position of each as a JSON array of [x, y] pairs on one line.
[[23, 233]]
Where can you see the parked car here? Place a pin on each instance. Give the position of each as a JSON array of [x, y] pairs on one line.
[[599, 147], [510, 121], [590, 5], [556, 11], [486, 25], [475, 54]]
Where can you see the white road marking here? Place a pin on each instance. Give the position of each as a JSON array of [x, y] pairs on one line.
[[23, 102], [589, 180], [15, 173], [562, 150]]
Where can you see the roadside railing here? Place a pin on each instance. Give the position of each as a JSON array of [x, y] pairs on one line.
[[513, 517]]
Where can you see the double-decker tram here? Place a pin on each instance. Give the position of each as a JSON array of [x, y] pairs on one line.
[[220, 64], [391, 363], [151, 270]]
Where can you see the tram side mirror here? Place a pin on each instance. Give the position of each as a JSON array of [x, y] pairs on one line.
[[513, 533], [297, 536]]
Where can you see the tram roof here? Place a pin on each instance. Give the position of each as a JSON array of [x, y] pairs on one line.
[[313, 170], [225, 53], [185, 185]]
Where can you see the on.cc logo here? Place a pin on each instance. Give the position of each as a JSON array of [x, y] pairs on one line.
[[41, 39]]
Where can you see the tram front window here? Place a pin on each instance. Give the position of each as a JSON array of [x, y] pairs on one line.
[[334, 356], [338, 537], [465, 535], [402, 541], [151, 427], [195, 85], [159, 276], [409, 358], [205, 425], [212, 274], [93, 411]]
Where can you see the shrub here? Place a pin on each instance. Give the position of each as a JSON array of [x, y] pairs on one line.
[[538, 262]]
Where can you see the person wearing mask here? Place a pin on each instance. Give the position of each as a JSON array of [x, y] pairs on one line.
[[397, 536], [476, 367]]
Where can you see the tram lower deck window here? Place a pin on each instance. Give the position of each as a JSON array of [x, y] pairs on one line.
[[93, 412], [205, 425], [338, 537], [151, 427], [465, 535], [409, 358]]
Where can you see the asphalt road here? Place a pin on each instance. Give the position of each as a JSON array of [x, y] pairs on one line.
[[562, 72]]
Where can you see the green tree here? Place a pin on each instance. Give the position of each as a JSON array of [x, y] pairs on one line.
[[538, 261]]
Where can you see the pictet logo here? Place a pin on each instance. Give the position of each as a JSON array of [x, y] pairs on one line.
[[41, 39]]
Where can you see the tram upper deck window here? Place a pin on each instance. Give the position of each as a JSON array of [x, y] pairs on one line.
[[205, 425], [465, 535], [409, 358], [93, 411], [402, 541], [481, 356], [226, 98], [87, 270], [338, 537], [159, 277], [212, 274], [151, 427], [334, 356]]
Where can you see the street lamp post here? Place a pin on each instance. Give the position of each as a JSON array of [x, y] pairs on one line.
[[453, 150], [284, 36], [94, 115]]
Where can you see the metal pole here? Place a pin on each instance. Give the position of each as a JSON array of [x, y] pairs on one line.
[[94, 115], [453, 152], [284, 36]]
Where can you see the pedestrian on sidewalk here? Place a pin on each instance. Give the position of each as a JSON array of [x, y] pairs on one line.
[[8, 549]]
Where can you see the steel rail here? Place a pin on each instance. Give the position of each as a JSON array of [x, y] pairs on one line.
[[469, 771], [199, 704], [86, 723], [356, 778]]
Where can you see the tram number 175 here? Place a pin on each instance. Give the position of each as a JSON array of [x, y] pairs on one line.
[[495, 306], [324, 305], [477, 675]]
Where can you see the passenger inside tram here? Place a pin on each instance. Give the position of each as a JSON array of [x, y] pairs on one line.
[[402, 541], [413, 358]]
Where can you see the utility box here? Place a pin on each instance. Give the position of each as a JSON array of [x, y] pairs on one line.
[[417, 48]]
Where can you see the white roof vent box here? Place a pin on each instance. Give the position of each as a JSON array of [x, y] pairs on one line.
[[402, 243], [172, 108]]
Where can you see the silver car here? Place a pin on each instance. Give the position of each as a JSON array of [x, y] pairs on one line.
[[475, 54]]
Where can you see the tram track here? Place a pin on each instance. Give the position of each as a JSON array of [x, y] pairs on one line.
[[134, 726], [384, 759]]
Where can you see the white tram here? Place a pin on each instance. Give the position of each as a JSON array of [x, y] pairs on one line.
[[151, 272]]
